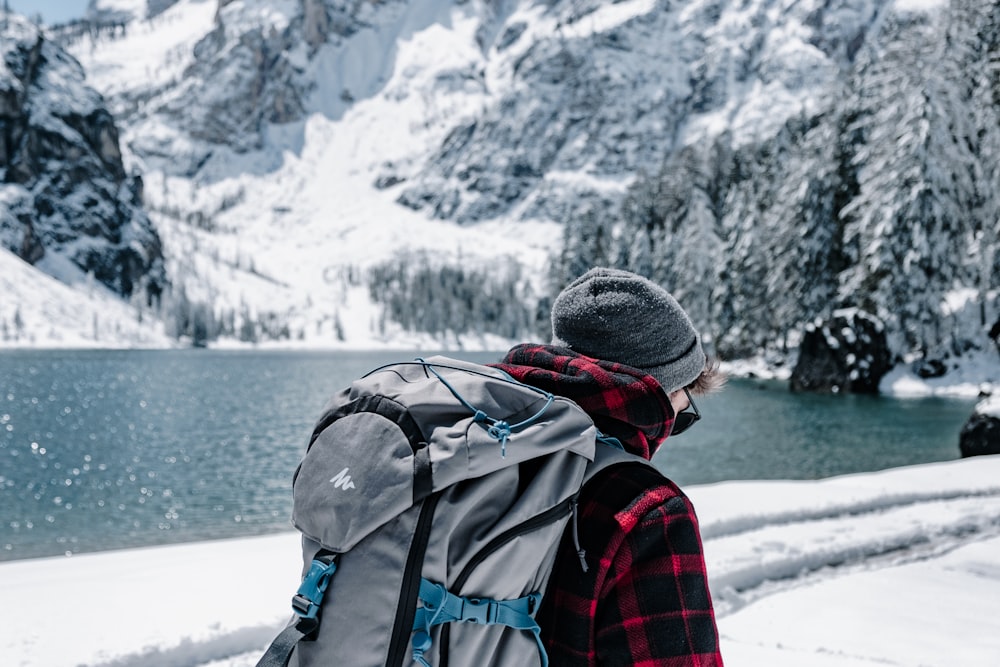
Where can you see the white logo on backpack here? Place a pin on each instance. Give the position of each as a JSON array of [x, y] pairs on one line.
[[342, 480]]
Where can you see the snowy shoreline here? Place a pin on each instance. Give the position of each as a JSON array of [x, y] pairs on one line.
[[977, 375], [897, 567]]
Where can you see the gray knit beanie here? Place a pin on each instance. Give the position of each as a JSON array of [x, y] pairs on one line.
[[620, 316]]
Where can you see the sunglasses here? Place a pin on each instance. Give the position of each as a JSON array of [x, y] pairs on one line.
[[686, 418]]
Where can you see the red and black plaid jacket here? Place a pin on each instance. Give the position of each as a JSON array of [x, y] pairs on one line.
[[644, 600]]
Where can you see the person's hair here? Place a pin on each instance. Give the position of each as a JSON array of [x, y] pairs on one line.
[[711, 379]]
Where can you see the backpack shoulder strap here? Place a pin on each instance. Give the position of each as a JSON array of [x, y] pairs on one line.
[[609, 453]]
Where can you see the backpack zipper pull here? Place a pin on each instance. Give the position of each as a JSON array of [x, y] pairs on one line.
[[581, 553]]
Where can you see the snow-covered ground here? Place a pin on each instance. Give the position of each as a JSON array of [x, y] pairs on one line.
[[976, 374], [38, 311], [899, 567]]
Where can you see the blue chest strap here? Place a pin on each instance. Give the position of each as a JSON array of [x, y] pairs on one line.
[[441, 606]]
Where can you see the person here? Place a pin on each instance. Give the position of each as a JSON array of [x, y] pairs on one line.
[[625, 351]]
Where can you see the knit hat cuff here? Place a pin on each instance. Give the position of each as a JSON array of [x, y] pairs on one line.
[[678, 374]]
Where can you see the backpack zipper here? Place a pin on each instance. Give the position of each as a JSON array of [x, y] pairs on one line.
[[548, 516], [534, 523], [407, 610]]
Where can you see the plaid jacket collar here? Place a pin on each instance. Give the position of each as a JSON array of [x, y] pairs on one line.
[[623, 401]]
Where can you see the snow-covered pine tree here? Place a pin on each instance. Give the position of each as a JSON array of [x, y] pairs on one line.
[[746, 317], [973, 36], [687, 246], [588, 241], [910, 227], [670, 228], [800, 232]]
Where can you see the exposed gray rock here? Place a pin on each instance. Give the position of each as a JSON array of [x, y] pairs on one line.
[[847, 353], [259, 87], [64, 188], [572, 121], [930, 368], [156, 7], [243, 79], [315, 22]]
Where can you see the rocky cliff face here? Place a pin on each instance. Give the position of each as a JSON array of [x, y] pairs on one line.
[[66, 202], [251, 71], [611, 90]]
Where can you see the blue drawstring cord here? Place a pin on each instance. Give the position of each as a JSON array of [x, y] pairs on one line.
[[422, 641], [498, 429]]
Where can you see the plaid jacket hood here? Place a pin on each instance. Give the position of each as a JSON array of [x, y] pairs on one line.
[[623, 401]]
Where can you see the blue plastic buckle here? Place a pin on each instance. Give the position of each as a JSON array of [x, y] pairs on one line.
[[309, 597], [483, 612]]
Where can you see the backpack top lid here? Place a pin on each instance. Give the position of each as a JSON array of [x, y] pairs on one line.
[[407, 430]]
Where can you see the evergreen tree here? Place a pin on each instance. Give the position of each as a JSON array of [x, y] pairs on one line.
[[670, 229], [740, 305], [909, 228], [974, 32], [806, 244], [688, 248], [446, 300]]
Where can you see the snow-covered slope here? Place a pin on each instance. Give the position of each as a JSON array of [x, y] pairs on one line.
[[36, 310]]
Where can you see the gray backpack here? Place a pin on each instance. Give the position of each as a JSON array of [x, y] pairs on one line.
[[432, 500]]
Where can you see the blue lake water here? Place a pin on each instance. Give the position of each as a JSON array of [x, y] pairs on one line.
[[111, 449]]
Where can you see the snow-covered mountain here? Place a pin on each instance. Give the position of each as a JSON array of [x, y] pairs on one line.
[[262, 131], [358, 172]]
